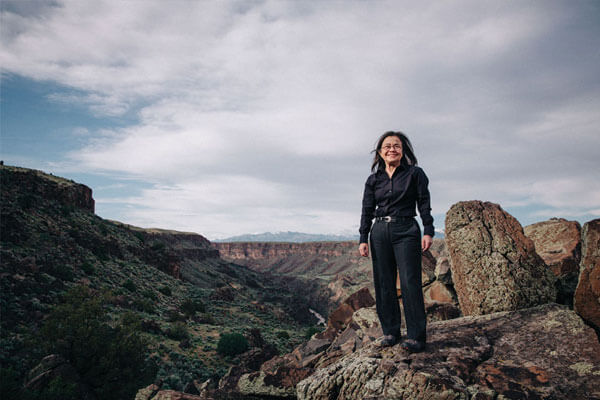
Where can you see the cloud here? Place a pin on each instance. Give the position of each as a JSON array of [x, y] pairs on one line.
[[261, 115]]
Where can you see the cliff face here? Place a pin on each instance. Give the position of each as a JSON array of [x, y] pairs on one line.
[[270, 256], [29, 184], [335, 266]]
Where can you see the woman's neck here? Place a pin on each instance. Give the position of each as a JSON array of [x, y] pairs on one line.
[[390, 168]]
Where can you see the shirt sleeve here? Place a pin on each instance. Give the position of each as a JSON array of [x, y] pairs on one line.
[[424, 203], [368, 210]]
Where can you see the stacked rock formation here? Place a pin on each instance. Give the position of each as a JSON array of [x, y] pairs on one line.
[[558, 242], [494, 265], [587, 295]]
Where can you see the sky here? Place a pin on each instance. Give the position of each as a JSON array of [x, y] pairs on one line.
[[233, 117]]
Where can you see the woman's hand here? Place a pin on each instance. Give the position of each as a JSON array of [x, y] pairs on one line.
[[426, 242], [363, 249]]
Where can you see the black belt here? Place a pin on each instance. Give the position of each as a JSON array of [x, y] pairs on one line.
[[387, 218]]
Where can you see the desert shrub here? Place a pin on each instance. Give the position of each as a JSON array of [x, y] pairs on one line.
[[231, 344], [158, 246], [140, 236], [57, 389], [110, 360], [176, 370], [165, 290], [205, 318], [61, 271], [149, 294], [178, 331], [10, 383], [129, 285], [283, 335], [173, 315], [191, 306], [144, 305], [88, 268], [310, 331]]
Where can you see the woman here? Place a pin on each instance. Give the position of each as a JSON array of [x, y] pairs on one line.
[[391, 193]]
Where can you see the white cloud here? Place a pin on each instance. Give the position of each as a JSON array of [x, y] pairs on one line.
[[283, 101]]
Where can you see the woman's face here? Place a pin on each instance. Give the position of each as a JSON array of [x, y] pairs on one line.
[[391, 150]]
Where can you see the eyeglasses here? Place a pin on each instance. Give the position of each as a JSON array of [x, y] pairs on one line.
[[388, 147]]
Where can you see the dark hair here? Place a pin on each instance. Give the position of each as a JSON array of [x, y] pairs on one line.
[[408, 154]]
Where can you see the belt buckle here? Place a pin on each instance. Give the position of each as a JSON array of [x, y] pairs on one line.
[[387, 218]]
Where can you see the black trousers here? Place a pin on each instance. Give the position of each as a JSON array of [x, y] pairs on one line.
[[396, 246]]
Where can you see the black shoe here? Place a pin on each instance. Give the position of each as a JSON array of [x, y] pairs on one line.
[[388, 340], [413, 346]]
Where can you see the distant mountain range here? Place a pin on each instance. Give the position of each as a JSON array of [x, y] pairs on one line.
[[296, 237]]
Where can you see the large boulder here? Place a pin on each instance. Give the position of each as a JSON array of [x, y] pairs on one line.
[[494, 265], [558, 242], [545, 352], [587, 295]]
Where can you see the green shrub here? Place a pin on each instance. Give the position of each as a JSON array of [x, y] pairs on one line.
[[165, 290], [310, 331], [88, 268], [110, 360], [144, 305], [140, 236], [129, 285], [150, 294], [173, 315], [283, 335], [231, 344], [158, 246], [189, 307], [178, 331]]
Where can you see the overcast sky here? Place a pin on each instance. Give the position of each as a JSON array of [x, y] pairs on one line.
[[231, 117]]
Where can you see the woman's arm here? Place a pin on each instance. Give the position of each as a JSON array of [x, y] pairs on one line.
[[366, 218], [424, 207]]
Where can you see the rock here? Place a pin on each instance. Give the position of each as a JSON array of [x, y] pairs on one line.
[[352, 325], [545, 352], [49, 187], [340, 317], [439, 292], [441, 311], [494, 265], [174, 395], [438, 248], [148, 392], [443, 273], [558, 242], [587, 294]]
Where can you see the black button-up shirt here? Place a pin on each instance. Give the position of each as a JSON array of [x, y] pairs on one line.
[[397, 197]]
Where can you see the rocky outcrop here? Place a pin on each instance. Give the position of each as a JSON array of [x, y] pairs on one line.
[[494, 265], [30, 183], [349, 327], [587, 295], [545, 352], [558, 242]]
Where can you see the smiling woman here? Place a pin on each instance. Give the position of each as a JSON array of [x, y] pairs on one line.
[[391, 194]]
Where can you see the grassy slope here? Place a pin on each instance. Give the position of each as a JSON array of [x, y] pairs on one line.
[[48, 247]]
